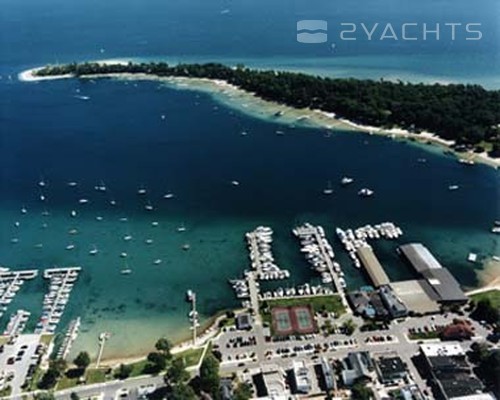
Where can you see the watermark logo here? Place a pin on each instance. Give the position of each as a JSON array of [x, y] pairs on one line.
[[312, 31]]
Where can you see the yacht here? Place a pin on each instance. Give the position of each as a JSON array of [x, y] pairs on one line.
[[24, 210], [453, 187], [112, 202], [235, 183], [42, 183], [83, 201], [70, 247], [328, 190], [73, 213], [126, 271], [149, 207], [123, 255], [346, 180], [168, 196], [181, 228], [101, 187], [149, 241], [141, 191], [127, 238], [154, 223], [72, 184], [365, 192]]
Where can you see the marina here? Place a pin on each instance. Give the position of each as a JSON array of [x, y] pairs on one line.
[[61, 282], [17, 323], [10, 283], [261, 256], [352, 240], [69, 337]]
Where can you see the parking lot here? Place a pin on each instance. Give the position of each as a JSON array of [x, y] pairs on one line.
[[18, 357]]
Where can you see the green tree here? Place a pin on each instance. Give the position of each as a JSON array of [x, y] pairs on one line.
[[82, 360], [176, 373], [164, 346], [182, 392], [243, 392], [209, 376], [44, 396], [360, 391], [157, 362], [54, 372], [123, 371]]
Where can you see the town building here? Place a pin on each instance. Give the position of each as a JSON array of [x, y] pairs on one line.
[[392, 303], [390, 369], [301, 375], [357, 365]]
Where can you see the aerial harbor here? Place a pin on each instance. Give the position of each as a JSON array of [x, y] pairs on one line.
[[228, 200]]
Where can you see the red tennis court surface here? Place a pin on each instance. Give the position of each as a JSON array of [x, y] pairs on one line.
[[293, 320]]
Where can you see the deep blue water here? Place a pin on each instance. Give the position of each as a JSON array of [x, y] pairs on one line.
[[118, 136]]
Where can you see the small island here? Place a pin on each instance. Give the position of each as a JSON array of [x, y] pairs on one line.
[[467, 115]]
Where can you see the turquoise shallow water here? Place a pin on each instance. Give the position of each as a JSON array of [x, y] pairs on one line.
[[195, 152]]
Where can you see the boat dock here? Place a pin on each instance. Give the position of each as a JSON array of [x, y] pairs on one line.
[[352, 240], [193, 315], [69, 338], [10, 283], [17, 323], [54, 303], [261, 257], [319, 253]]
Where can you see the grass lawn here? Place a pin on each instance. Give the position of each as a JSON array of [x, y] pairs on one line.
[[423, 335], [95, 376], [138, 368], [32, 385], [318, 303], [66, 383], [191, 357], [492, 295], [46, 339]]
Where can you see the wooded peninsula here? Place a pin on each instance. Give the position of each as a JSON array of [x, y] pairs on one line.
[[466, 114]]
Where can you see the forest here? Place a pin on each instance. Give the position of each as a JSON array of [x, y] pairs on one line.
[[467, 114]]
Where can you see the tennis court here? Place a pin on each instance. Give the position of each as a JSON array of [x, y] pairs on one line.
[[293, 320]]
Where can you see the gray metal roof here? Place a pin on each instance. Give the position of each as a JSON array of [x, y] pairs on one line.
[[420, 257], [445, 285]]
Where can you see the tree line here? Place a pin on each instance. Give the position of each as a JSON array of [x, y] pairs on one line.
[[467, 114]]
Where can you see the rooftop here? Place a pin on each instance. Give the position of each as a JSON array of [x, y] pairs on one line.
[[445, 285], [442, 349], [372, 266], [391, 367], [413, 294], [419, 256]]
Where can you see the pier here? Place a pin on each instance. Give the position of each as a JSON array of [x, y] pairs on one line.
[[320, 255], [17, 323], [69, 338], [10, 283], [54, 303], [103, 337]]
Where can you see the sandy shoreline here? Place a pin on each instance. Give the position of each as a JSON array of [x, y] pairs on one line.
[[318, 118]]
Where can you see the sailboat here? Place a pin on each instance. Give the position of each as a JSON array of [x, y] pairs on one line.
[[126, 270], [101, 187], [94, 251], [181, 228], [168, 196], [328, 190], [149, 206], [141, 191], [158, 261]]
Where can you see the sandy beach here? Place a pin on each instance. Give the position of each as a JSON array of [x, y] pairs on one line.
[[255, 106]]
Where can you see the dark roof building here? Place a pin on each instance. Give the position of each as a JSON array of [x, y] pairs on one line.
[[440, 283], [367, 304], [392, 303], [243, 322], [390, 369]]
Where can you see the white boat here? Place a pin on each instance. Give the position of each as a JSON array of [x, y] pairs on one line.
[[154, 223], [466, 161], [244, 133], [101, 187], [42, 183], [453, 187], [472, 257], [70, 247], [94, 251], [17, 224], [149, 207], [346, 180], [123, 255], [158, 261], [123, 219], [127, 238], [190, 295], [42, 197], [83, 201], [72, 184], [181, 228], [73, 213], [235, 183], [328, 190], [126, 271], [149, 241], [112, 202], [365, 192], [99, 218], [24, 210], [142, 191], [168, 196]]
